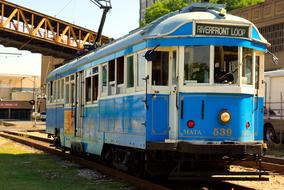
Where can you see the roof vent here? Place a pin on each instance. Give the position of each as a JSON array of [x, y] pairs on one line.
[[206, 7]]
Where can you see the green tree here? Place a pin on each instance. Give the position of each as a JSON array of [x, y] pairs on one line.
[[162, 7], [235, 4]]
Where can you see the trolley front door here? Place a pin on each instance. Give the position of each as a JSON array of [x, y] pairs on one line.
[[173, 97], [160, 90], [79, 104]]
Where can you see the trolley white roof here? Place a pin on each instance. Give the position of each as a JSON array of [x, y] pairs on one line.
[[162, 28]]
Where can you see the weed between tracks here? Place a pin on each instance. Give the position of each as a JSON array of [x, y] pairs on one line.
[[24, 168]]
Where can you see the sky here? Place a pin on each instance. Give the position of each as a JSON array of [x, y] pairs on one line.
[[123, 17]]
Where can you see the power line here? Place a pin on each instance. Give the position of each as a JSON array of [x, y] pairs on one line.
[[63, 8]]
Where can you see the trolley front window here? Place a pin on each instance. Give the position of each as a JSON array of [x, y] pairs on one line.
[[226, 65], [196, 64], [160, 69], [247, 66]]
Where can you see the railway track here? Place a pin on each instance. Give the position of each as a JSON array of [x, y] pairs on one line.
[[269, 164], [44, 145]]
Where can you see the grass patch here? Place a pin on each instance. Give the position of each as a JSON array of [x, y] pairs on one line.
[[27, 169]]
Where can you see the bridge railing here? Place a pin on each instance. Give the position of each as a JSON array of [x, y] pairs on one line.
[[14, 18]]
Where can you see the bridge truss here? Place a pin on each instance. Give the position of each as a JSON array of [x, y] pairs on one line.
[[30, 30]]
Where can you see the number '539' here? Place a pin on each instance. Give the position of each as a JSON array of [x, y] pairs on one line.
[[222, 132]]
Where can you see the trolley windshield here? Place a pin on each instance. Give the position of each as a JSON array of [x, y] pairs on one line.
[[218, 65]]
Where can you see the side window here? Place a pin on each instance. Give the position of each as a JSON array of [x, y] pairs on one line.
[[160, 69], [72, 95], [51, 91], [67, 90], [54, 94], [95, 79], [120, 70], [58, 90], [120, 75], [62, 89], [141, 62], [130, 72], [111, 72], [104, 79], [72, 89], [88, 89]]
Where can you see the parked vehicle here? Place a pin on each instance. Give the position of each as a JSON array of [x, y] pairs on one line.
[[35, 115], [42, 116], [274, 107]]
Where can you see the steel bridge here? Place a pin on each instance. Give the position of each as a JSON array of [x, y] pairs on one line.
[[26, 29]]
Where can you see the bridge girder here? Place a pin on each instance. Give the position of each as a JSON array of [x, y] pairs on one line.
[[26, 29]]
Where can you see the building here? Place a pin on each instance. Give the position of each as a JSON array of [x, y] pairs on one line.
[[269, 18], [144, 4], [16, 91]]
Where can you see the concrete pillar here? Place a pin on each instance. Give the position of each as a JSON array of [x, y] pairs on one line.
[[48, 64]]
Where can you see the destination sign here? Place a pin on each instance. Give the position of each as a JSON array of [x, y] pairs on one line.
[[222, 30]]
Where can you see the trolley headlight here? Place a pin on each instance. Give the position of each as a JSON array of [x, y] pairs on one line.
[[225, 116]]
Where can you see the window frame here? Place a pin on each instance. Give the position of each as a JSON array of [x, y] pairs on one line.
[[114, 82], [67, 83], [212, 56], [136, 70], [62, 90], [85, 89], [210, 63], [253, 68], [58, 98], [98, 96], [88, 73], [122, 85], [164, 89], [101, 92], [239, 87], [130, 89]]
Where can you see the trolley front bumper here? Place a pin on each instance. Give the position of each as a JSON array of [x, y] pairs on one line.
[[217, 149]]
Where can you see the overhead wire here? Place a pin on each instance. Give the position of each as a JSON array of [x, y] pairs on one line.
[[66, 5]]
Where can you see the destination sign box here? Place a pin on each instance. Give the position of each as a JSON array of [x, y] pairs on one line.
[[222, 30]]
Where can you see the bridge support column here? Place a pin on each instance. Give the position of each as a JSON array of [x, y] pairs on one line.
[[48, 64]]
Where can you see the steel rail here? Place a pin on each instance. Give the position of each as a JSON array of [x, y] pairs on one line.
[[42, 139], [268, 164]]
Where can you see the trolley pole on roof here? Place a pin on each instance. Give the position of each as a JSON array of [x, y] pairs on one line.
[[106, 6]]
